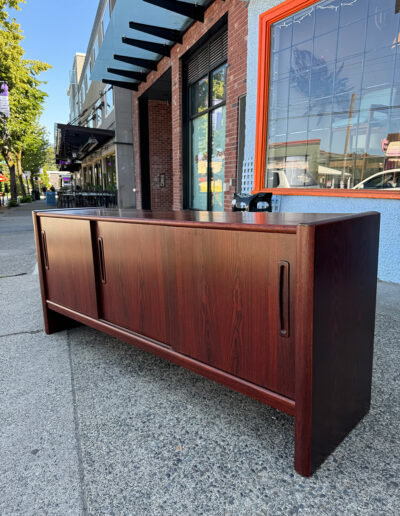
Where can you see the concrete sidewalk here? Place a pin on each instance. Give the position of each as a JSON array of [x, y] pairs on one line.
[[90, 425]]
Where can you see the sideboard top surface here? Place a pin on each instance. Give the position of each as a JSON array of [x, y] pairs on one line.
[[256, 221]]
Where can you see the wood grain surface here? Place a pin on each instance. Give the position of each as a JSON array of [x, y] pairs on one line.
[[209, 294], [69, 276], [346, 262], [280, 308]]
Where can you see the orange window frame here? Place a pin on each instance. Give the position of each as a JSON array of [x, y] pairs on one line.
[[266, 20]]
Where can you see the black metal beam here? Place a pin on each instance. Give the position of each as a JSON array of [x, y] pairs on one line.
[[157, 48], [122, 84], [138, 61], [193, 11], [139, 76], [161, 32]]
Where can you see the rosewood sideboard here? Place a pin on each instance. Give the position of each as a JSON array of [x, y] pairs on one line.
[[278, 306]]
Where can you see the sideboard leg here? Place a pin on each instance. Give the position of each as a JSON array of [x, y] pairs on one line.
[[55, 322]]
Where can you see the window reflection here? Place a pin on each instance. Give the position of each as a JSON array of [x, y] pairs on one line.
[[199, 96], [218, 85], [218, 158], [334, 100], [199, 162]]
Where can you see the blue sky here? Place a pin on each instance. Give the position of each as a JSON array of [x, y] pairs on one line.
[[54, 30]]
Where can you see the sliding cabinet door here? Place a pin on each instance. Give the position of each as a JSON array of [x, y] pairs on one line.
[[69, 274]]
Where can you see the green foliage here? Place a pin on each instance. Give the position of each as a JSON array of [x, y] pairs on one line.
[[50, 159], [44, 176], [25, 198], [26, 99], [34, 153], [12, 203]]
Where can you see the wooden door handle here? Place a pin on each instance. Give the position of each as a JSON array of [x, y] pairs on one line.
[[284, 298], [44, 246], [101, 259]]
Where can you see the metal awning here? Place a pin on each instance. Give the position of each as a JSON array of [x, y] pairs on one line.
[[139, 34], [74, 143]]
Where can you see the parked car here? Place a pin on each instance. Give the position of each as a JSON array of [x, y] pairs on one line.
[[388, 179]]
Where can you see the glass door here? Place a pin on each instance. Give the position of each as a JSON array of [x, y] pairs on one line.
[[207, 122]]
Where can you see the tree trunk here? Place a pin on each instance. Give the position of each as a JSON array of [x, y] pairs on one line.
[[27, 186], [21, 179], [13, 183], [32, 187]]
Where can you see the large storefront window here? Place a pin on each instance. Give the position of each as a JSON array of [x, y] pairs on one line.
[[333, 96], [110, 172], [97, 175], [207, 125], [208, 143]]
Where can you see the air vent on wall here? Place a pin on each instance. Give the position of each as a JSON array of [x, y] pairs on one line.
[[198, 66], [207, 58], [218, 49]]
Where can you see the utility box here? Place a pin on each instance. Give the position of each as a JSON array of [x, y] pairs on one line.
[[51, 198]]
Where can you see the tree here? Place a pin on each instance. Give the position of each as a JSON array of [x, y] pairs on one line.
[[26, 99], [35, 152], [50, 164]]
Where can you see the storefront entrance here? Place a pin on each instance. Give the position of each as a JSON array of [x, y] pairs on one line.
[[206, 116], [155, 119]]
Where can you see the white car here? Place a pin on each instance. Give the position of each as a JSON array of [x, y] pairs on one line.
[[388, 179]]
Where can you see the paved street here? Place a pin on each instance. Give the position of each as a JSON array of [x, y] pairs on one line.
[[90, 425]]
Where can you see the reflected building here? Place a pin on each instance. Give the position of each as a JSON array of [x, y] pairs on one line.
[[323, 110]]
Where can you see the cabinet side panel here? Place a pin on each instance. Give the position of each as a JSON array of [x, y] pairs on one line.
[[346, 259], [304, 304]]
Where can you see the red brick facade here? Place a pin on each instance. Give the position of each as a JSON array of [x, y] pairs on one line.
[[160, 153], [236, 86]]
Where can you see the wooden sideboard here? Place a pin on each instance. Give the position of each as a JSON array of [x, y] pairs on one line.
[[280, 307]]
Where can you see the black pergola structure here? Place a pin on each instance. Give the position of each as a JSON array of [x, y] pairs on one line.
[[189, 14], [74, 143]]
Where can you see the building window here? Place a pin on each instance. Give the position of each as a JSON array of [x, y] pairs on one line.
[[96, 47], [106, 18], [99, 114], [329, 95], [88, 77], [97, 180], [109, 101], [206, 115], [110, 172]]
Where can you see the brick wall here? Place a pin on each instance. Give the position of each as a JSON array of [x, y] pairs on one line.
[[160, 153], [236, 86]]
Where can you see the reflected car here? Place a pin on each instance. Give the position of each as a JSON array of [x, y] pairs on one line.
[[388, 180]]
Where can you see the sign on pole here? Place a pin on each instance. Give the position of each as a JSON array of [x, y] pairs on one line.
[[4, 101]]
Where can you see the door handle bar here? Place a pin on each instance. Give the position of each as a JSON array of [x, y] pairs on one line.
[[101, 259], [44, 246], [284, 298]]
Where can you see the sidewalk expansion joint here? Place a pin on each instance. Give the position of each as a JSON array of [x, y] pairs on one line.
[[14, 275], [85, 510], [32, 332]]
